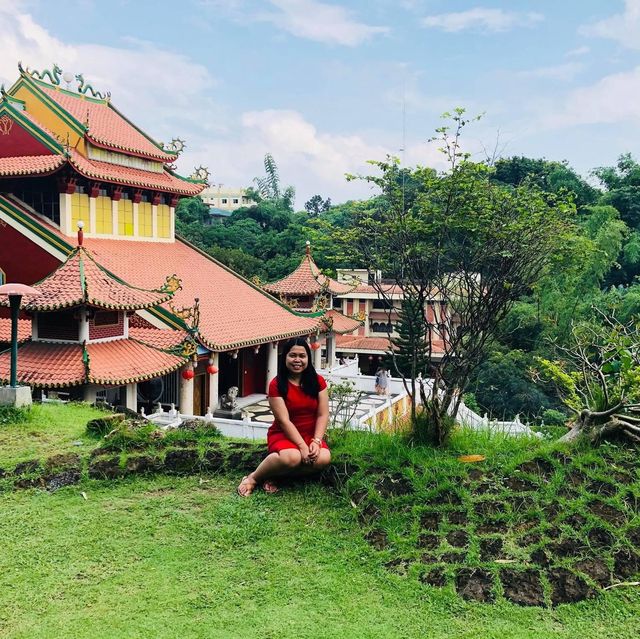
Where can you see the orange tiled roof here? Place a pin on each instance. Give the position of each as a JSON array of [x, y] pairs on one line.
[[50, 365], [164, 339], [126, 361], [340, 323], [24, 330], [373, 344], [107, 363], [30, 164], [106, 126], [307, 280], [233, 312], [109, 172], [81, 280]]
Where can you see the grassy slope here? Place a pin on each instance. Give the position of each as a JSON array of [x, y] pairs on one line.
[[167, 557], [47, 429], [156, 557]]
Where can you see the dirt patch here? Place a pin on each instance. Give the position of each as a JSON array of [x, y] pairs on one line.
[[491, 528], [458, 538], [485, 487], [430, 521], [576, 478], [105, 468], [26, 467], [59, 480], [369, 513], [561, 457], [596, 569], [490, 549], [377, 538], [213, 459], [622, 478], [541, 558], [139, 464], [599, 487], [490, 507], [475, 585], [399, 566], [520, 484], [426, 558], [393, 486], [63, 461], [183, 460], [475, 474], [531, 539], [458, 517], [633, 535], [447, 497], [600, 538], [626, 563], [567, 587], [453, 557], [522, 587], [566, 548], [522, 503], [428, 541], [434, 578], [540, 467], [576, 521], [607, 512]]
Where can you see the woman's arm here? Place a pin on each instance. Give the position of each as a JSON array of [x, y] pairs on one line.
[[280, 412], [322, 418]]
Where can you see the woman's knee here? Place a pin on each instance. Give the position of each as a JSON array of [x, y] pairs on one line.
[[324, 459], [290, 457]]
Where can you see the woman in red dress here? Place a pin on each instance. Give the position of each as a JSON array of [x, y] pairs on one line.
[[299, 400]]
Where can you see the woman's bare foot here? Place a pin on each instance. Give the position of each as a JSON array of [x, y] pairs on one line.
[[270, 487], [246, 486]]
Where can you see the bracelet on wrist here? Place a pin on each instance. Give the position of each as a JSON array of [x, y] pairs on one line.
[[317, 440]]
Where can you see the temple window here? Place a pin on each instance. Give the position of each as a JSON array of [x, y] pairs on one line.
[[125, 216], [164, 221], [145, 219], [79, 208], [104, 214]]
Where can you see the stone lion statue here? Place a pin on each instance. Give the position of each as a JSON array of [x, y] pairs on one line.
[[229, 401]]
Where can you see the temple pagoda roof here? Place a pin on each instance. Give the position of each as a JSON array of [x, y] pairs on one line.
[[339, 323], [118, 362], [307, 280], [105, 125], [81, 280]]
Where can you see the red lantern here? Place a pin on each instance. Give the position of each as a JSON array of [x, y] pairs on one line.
[[188, 374], [315, 346], [211, 369]]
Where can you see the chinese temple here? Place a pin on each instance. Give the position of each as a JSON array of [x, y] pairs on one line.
[[80, 336], [68, 155]]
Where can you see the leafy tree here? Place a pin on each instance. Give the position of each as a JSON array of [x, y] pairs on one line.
[[623, 188], [552, 177], [480, 245], [316, 205], [268, 186]]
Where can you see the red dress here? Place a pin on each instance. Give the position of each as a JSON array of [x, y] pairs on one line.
[[303, 412]]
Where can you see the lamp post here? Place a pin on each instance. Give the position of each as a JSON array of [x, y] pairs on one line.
[[15, 292]]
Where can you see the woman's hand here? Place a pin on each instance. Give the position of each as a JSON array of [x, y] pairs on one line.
[[304, 451], [314, 450]]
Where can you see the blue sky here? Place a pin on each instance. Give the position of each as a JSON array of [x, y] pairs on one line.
[[321, 84]]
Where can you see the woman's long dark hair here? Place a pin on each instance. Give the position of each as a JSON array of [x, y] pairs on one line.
[[308, 380]]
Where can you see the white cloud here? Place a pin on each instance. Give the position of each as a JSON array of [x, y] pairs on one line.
[[320, 22], [561, 72], [482, 19], [611, 100], [578, 51], [624, 27]]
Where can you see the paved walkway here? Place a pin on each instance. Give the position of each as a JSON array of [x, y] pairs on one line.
[[259, 411]]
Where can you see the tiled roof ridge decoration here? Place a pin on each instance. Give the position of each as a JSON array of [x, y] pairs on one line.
[[307, 279], [80, 279], [339, 323]]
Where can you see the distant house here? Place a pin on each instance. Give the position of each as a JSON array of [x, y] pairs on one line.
[[224, 200]]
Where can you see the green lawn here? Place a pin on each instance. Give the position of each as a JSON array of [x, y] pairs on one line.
[[169, 557], [47, 429], [186, 557]]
